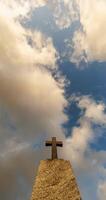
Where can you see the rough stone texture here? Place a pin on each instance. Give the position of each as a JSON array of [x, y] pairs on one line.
[[55, 181]]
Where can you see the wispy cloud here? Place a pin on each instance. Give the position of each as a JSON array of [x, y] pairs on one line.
[[88, 43], [86, 160], [102, 190], [64, 12], [92, 38], [21, 8]]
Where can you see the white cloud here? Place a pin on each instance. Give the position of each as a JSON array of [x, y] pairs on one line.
[[32, 98], [102, 190], [16, 51], [64, 12], [17, 173], [84, 133], [94, 111], [88, 163], [88, 42], [21, 8], [91, 40], [27, 88]]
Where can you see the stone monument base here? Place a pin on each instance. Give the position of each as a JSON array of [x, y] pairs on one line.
[[55, 181]]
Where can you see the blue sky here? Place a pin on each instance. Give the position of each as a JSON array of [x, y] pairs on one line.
[[52, 74]]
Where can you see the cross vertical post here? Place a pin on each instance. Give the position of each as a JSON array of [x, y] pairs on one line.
[[54, 145], [54, 148]]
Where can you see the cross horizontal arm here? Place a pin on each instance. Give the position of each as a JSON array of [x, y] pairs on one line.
[[48, 143], [59, 144]]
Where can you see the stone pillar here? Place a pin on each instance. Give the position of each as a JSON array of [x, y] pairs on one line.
[[55, 181]]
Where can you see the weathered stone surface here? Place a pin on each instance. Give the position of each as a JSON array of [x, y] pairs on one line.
[[55, 181]]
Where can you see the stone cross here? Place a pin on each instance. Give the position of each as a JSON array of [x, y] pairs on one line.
[[54, 145]]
